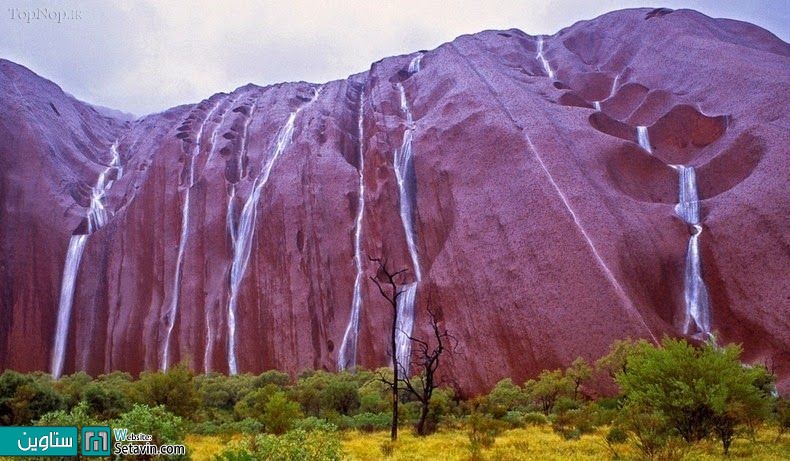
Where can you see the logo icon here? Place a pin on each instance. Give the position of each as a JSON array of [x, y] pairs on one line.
[[95, 441]]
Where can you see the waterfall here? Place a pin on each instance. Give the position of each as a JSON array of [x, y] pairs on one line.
[[643, 138], [414, 65], [347, 356], [172, 310], [232, 200], [97, 217], [614, 85], [73, 257], [697, 316], [242, 244], [546, 66], [597, 105], [210, 334], [404, 173]]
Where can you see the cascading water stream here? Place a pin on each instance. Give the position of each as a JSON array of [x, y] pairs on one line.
[[232, 200], [543, 61], [242, 243], [73, 257], [697, 317], [347, 356], [97, 217], [643, 138], [172, 310], [697, 303], [210, 333], [404, 173]]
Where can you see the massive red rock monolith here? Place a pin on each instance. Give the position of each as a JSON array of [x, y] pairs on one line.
[[542, 229]]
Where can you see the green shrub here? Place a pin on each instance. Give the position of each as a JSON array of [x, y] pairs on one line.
[[162, 425], [72, 387], [280, 414], [245, 426], [548, 388], [370, 422], [77, 416], [534, 418], [219, 394], [695, 391], [105, 401], [782, 415], [564, 404], [278, 378], [483, 430], [311, 423], [253, 404], [504, 397], [296, 445], [616, 435], [173, 389], [26, 398], [514, 418]]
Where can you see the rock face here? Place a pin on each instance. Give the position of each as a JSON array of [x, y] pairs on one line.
[[544, 232]]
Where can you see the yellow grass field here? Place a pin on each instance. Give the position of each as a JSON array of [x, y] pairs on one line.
[[531, 443]]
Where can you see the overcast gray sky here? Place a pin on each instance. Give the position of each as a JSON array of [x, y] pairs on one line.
[[144, 56]]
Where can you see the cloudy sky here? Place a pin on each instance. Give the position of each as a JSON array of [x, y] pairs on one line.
[[143, 56]]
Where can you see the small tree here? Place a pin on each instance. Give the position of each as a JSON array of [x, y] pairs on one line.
[[616, 361], [549, 386], [579, 372], [389, 289], [173, 388], [504, 397], [162, 425], [427, 361], [280, 414], [696, 391]]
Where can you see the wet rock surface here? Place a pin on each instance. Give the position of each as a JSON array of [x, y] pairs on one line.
[[544, 232]]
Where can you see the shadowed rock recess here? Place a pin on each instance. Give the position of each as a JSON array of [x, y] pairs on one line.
[[505, 171]]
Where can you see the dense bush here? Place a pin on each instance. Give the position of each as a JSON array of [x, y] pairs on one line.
[[173, 389], [280, 414], [296, 445], [366, 422], [693, 391], [669, 397], [164, 426], [25, 398]]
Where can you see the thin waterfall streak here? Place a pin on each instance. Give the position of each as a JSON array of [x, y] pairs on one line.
[[210, 335], [347, 356], [172, 310], [209, 347], [97, 217], [542, 58], [609, 275], [404, 171], [643, 138], [614, 85], [219, 125], [245, 230], [73, 257], [414, 65], [233, 233], [695, 292]]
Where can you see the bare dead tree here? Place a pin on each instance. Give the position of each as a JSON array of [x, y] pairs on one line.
[[390, 290], [427, 360]]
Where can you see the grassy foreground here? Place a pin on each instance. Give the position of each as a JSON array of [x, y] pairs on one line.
[[530, 443]]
